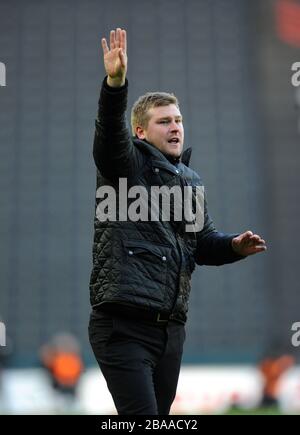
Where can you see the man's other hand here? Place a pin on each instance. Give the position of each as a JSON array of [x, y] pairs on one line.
[[248, 244], [115, 57]]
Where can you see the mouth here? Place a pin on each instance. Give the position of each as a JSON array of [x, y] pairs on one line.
[[174, 141]]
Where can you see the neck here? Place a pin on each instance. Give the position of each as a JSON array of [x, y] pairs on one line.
[[172, 159]]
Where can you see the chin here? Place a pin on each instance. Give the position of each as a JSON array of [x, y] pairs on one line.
[[174, 153]]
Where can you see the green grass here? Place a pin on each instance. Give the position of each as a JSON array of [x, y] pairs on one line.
[[273, 410]]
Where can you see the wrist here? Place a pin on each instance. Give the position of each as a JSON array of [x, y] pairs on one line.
[[115, 82], [234, 246]]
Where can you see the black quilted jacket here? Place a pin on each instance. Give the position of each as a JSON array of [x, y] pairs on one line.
[[144, 265]]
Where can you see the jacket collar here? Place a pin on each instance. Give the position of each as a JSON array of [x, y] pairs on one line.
[[148, 147]]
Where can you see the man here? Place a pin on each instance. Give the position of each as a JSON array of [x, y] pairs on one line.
[[142, 268]]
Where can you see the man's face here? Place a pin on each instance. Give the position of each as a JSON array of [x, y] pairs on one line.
[[164, 130]]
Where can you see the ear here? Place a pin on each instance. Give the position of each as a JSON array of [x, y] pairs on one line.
[[140, 132]]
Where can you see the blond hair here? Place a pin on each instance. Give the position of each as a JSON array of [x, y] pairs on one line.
[[140, 109]]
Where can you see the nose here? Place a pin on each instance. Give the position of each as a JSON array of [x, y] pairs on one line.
[[174, 126]]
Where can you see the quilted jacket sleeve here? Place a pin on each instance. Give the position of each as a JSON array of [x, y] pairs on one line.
[[214, 248], [114, 152]]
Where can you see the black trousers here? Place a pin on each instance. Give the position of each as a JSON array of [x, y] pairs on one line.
[[140, 361]]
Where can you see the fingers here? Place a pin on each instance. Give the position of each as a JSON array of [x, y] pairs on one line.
[[248, 239], [112, 39], [121, 39], [256, 243], [260, 248], [245, 237], [248, 236], [104, 46], [123, 44], [122, 58], [118, 39], [257, 249], [257, 240]]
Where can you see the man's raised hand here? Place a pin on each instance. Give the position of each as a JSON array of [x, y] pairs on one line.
[[115, 57]]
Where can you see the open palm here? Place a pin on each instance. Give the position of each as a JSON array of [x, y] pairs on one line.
[[115, 57]]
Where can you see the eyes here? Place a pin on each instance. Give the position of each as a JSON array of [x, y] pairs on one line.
[[167, 121]]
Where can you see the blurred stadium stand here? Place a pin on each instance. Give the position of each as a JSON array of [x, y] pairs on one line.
[[231, 72]]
